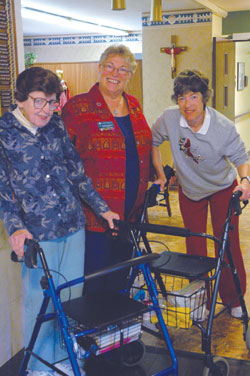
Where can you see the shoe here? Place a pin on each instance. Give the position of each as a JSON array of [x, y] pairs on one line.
[[237, 312], [38, 373], [66, 368]]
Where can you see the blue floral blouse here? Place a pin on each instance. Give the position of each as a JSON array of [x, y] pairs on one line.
[[42, 180]]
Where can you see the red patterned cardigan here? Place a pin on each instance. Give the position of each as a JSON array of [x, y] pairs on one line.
[[101, 145]]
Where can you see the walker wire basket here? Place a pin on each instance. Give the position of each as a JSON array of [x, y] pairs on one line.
[[184, 302]]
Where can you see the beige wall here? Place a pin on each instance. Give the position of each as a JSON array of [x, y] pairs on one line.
[[216, 25], [19, 36], [157, 81], [243, 126], [11, 340]]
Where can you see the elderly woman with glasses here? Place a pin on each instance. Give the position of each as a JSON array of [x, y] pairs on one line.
[[114, 140], [42, 185]]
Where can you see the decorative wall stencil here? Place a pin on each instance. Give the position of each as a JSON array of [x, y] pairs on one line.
[[86, 39], [181, 18]]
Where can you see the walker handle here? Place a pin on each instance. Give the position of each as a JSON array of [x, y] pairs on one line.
[[236, 203], [236, 195], [30, 254], [154, 228]]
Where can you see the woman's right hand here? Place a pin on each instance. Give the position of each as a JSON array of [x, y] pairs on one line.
[[17, 239], [161, 181]]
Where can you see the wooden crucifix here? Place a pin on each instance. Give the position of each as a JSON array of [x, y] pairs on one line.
[[172, 51]]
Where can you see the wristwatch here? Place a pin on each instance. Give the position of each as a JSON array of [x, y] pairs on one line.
[[245, 177]]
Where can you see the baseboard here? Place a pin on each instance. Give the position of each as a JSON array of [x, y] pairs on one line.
[[10, 368]]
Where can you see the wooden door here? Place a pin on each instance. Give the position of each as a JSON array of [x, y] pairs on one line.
[[225, 78]]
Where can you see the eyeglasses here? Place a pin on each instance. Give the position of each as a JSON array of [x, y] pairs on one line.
[[40, 103], [110, 68]]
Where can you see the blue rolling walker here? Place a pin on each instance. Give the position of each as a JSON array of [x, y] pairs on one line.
[[85, 322]]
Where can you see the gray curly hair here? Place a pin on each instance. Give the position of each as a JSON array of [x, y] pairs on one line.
[[120, 49]]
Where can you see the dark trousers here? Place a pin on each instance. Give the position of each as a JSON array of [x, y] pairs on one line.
[[101, 251]]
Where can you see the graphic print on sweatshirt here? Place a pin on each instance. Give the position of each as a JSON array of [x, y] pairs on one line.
[[185, 146]]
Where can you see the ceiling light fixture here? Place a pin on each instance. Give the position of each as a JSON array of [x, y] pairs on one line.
[[79, 25], [118, 4], [156, 11]]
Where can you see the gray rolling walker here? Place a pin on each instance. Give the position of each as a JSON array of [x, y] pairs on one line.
[[196, 268]]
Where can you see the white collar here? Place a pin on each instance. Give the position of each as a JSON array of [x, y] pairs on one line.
[[204, 128], [25, 122]]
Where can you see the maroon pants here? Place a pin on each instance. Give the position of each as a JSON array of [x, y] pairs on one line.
[[194, 214]]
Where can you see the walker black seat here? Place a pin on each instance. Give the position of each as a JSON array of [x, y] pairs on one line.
[[181, 264], [100, 310], [105, 308]]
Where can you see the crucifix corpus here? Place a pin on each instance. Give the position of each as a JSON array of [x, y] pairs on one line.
[[172, 51]]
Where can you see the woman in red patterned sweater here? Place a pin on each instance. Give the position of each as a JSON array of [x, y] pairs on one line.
[[114, 141]]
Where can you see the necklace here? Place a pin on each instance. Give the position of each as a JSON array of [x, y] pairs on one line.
[[116, 110]]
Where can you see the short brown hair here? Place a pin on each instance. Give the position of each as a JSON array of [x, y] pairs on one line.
[[191, 80], [37, 79]]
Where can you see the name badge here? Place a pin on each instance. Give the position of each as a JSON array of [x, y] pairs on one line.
[[105, 125]]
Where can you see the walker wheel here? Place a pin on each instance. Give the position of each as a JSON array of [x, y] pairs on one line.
[[133, 353], [128, 355], [221, 368], [248, 338]]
